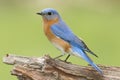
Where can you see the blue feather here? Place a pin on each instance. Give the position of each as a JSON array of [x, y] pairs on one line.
[[82, 54], [62, 31]]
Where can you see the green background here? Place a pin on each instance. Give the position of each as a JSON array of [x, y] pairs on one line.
[[95, 21]]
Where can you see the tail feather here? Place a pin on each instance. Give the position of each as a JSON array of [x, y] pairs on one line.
[[88, 50], [97, 68], [82, 54]]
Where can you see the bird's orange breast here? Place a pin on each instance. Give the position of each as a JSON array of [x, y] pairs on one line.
[[52, 38]]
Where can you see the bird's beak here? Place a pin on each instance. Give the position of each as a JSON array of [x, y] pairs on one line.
[[39, 13]]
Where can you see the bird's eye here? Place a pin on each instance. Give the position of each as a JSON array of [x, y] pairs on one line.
[[49, 13]]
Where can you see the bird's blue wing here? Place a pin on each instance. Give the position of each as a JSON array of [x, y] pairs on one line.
[[63, 32]]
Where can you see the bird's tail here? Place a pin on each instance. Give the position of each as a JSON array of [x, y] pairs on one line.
[[82, 54]]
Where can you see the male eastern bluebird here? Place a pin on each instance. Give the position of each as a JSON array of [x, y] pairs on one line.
[[60, 35]]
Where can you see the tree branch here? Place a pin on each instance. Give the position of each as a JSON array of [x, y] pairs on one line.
[[46, 68]]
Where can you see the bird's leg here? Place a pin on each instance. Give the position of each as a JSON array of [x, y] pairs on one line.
[[59, 56], [67, 58]]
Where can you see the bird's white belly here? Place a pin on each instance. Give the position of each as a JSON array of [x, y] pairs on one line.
[[62, 50], [58, 47]]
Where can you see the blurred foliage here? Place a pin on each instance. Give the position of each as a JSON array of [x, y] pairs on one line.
[[96, 21]]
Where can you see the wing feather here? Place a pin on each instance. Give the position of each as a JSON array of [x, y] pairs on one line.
[[62, 31]]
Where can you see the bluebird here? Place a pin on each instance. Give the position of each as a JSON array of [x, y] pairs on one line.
[[60, 35]]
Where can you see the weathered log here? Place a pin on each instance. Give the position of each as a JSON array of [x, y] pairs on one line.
[[47, 68]]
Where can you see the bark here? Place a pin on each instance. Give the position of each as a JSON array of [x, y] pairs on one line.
[[47, 68]]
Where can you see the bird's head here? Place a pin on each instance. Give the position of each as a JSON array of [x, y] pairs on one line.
[[49, 14]]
